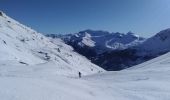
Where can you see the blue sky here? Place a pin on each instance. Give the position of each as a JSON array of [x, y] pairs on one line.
[[144, 17]]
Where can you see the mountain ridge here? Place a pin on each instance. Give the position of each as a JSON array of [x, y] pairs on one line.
[[101, 40], [115, 54]]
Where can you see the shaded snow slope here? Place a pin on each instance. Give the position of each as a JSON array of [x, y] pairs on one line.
[[22, 45]]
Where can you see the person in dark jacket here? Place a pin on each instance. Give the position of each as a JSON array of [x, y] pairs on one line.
[[79, 74]]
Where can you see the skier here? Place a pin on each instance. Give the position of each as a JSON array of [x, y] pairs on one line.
[[1, 14], [79, 74], [58, 50]]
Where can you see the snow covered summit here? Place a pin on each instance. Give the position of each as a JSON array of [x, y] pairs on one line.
[[158, 43], [23, 46]]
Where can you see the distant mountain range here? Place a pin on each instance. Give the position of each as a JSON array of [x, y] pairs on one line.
[[117, 51], [101, 41]]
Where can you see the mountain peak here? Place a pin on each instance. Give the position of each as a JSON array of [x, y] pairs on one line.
[[158, 43], [2, 13], [130, 33], [164, 34], [94, 32]]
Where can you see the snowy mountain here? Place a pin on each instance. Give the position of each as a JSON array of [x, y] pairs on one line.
[[104, 48], [98, 46], [113, 54], [157, 44], [101, 41], [120, 59], [23, 46]]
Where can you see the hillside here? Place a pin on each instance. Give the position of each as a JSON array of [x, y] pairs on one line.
[[23, 46]]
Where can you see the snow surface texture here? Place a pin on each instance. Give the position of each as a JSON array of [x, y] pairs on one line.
[[148, 81], [20, 45]]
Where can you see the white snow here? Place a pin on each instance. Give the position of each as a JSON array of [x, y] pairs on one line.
[[88, 41], [148, 81]]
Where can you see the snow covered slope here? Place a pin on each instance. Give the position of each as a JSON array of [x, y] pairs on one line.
[[158, 43], [157, 64], [22, 46], [148, 81]]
